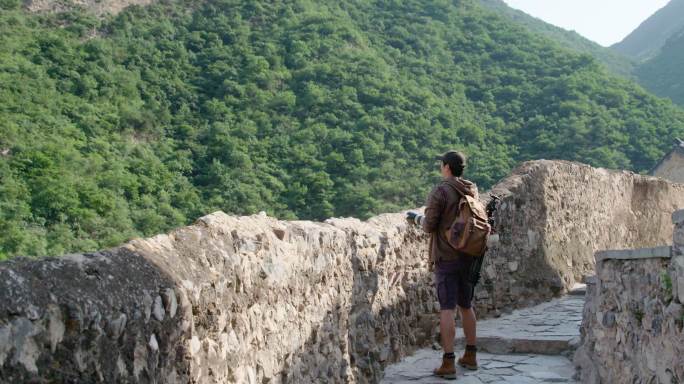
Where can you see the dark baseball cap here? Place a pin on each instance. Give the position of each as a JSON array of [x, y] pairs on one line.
[[452, 157]]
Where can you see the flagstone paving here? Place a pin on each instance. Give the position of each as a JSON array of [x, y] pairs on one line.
[[508, 369], [526, 346], [548, 328]]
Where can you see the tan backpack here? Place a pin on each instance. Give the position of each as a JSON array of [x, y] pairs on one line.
[[470, 230]]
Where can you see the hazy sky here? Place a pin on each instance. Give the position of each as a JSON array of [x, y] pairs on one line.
[[603, 21]]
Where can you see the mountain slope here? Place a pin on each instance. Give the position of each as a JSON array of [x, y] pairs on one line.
[[664, 74], [615, 62], [647, 40], [137, 123]]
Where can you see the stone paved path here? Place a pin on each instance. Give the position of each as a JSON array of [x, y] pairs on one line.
[[494, 369], [525, 346]]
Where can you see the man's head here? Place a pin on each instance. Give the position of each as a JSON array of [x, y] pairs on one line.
[[452, 163]]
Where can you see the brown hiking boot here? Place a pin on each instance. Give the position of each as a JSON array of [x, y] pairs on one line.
[[469, 359], [447, 370]]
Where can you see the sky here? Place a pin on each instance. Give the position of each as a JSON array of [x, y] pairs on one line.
[[603, 21]]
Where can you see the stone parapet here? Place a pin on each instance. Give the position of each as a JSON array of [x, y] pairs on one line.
[[663, 252], [227, 300], [554, 217], [633, 316]]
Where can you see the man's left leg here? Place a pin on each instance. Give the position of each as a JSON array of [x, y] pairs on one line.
[[469, 358], [447, 329], [469, 324]]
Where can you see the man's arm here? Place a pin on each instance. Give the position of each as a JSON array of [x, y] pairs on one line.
[[433, 210]]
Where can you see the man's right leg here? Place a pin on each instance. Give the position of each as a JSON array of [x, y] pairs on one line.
[[447, 330], [447, 324]]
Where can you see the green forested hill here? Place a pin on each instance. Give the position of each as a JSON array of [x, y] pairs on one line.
[[658, 46], [133, 125], [649, 38], [650, 55], [614, 61], [664, 74]]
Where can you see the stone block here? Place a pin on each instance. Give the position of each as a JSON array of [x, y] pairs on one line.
[[513, 266], [678, 262], [608, 320], [675, 311], [678, 217], [678, 238], [635, 254]]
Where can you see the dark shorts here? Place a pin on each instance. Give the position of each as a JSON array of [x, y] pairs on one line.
[[453, 285]]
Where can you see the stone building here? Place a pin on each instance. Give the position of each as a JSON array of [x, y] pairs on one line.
[[671, 166]]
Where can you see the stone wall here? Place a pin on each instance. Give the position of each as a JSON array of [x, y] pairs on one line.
[[634, 314], [555, 215], [253, 299], [229, 299]]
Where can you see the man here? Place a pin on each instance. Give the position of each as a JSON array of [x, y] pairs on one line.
[[451, 268]]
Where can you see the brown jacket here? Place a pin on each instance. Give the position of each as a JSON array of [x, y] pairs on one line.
[[440, 212]]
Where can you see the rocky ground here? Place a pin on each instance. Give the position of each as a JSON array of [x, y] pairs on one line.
[[526, 346]]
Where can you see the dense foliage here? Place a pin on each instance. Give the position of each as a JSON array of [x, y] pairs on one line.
[[649, 38], [652, 53], [132, 125], [614, 61], [664, 74]]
